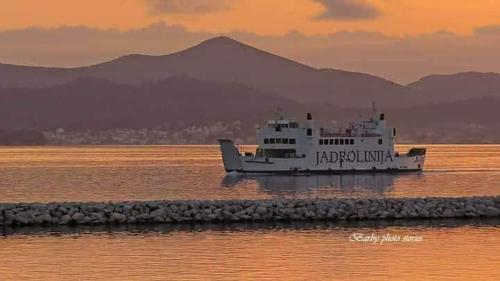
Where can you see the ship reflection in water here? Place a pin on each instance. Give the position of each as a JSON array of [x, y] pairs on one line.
[[341, 185]]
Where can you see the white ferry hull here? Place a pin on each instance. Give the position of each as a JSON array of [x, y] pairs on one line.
[[341, 161]]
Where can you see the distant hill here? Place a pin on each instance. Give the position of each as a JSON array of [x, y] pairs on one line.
[[91, 103], [178, 103], [21, 137], [223, 59], [459, 86], [465, 121]]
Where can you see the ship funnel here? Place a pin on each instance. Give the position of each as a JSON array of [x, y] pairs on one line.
[[382, 116], [309, 116]]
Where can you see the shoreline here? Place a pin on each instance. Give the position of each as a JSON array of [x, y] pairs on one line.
[[229, 211]]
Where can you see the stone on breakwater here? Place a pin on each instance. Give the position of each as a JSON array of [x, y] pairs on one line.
[[247, 210]]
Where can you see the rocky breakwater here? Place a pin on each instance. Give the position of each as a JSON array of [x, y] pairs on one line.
[[247, 210]]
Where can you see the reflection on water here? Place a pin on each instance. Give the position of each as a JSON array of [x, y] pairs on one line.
[[165, 229], [342, 184]]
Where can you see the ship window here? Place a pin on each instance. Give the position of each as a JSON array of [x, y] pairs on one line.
[[291, 141], [341, 141], [320, 141], [346, 141], [379, 141], [331, 141], [336, 141], [352, 141], [271, 141], [266, 141], [278, 141], [309, 132], [284, 141]]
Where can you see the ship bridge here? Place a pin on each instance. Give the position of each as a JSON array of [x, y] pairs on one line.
[[283, 138]]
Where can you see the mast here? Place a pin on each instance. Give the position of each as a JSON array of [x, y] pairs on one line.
[[374, 108]]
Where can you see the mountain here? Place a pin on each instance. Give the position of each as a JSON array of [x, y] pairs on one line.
[[223, 59], [224, 81], [459, 86]]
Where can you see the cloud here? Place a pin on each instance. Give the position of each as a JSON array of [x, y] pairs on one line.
[[187, 6], [347, 10]]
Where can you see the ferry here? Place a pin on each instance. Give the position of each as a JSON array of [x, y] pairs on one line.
[[288, 146]]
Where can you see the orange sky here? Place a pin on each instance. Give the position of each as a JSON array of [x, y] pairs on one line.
[[270, 17]]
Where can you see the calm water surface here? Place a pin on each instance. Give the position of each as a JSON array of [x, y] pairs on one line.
[[184, 172], [446, 250], [317, 251]]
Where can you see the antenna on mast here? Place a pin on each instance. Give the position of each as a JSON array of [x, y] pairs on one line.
[[374, 109]]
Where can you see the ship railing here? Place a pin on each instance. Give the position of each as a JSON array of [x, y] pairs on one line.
[[333, 135]]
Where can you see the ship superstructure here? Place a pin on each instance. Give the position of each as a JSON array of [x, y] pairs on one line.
[[288, 146]]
